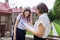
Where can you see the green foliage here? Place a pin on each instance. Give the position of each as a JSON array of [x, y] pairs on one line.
[[55, 12], [56, 9], [51, 15]]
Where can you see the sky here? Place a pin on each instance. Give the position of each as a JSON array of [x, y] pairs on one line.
[[29, 3], [2, 1]]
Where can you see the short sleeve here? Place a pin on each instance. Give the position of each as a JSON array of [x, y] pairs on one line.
[[42, 24], [42, 21], [18, 17]]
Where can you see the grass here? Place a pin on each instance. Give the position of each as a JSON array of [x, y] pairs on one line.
[[28, 33], [51, 32], [57, 26]]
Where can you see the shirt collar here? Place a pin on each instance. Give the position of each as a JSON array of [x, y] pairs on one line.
[[42, 15]]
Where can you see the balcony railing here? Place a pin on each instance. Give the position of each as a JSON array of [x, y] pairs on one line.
[[51, 37]]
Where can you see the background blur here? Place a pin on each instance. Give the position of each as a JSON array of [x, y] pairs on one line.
[[9, 9]]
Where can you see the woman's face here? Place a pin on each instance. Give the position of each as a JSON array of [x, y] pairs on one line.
[[26, 13]]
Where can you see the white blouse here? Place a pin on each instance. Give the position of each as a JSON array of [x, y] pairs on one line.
[[43, 18]]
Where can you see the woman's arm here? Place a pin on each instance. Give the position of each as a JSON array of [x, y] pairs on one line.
[[15, 28], [41, 30], [16, 23], [38, 32]]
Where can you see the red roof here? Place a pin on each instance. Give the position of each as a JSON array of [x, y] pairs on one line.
[[16, 10], [4, 7], [19, 10]]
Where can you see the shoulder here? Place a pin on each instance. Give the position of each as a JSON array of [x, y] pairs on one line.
[[43, 16], [19, 16]]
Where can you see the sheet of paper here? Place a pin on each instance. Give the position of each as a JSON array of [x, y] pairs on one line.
[[27, 25]]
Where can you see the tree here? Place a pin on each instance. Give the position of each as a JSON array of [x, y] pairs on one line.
[[56, 9], [51, 15], [55, 12]]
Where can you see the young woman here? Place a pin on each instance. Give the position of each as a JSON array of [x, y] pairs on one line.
[[42, 25], [19, 32]]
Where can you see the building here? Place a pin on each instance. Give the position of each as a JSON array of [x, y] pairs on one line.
[[5, 18], [8, 16], [15, 12]]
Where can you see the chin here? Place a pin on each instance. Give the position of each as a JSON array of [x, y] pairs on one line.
[[26, 16], [37, 13]]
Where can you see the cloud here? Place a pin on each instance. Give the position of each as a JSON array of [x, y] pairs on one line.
[[2, 1], [30, 3]]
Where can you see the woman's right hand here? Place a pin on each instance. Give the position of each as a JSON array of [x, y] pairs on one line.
[[14, 38]]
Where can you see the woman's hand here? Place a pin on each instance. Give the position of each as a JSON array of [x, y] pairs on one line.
[[14, 38]]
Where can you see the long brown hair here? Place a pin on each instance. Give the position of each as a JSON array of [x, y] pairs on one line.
[[28, 17]]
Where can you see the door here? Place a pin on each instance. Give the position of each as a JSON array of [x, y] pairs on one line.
[[2, 25]]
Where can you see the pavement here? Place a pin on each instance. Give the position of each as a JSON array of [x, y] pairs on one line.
[[5, 38], [28, 37]]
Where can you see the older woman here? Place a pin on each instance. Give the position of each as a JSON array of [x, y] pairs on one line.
[[42, 25]]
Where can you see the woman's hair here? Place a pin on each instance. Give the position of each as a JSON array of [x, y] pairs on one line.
[[42, 8], [28, 17]]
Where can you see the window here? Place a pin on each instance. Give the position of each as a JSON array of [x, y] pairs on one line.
[[2, 20]]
